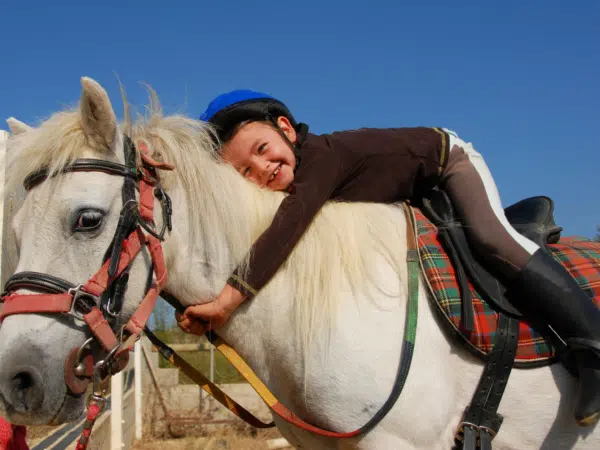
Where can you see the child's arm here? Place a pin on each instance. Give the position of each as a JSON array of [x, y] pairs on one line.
[[273, 246], [291, 220]]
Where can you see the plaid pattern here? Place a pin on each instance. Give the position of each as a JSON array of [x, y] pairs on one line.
[[580, 256]]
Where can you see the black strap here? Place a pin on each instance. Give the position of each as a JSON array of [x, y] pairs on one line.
[[37, 281], [481, 422], [82, 165], [128, 220]]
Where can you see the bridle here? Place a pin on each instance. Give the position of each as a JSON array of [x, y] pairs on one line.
[[98, 302]]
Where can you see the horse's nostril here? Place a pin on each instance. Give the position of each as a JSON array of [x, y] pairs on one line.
[[27, 392], [22, 381]]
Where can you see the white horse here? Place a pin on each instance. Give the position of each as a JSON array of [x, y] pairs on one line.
[[324, 335]]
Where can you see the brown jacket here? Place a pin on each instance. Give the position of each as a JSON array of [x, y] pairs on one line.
[[365, 165]]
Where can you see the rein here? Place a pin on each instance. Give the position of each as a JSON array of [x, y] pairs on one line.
[[98, 302], [408, 344]]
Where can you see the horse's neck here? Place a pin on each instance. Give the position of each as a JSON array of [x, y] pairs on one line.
[[264, 328], [197, 273]]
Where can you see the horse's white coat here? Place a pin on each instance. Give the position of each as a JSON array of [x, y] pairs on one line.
[[337, 376]]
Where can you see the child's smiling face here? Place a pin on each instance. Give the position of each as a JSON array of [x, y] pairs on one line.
[[260, 153]]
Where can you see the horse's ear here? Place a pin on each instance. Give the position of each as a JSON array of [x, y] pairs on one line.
[[17, 127], [97, 114]]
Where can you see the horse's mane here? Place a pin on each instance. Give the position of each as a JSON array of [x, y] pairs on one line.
[[340, 245]]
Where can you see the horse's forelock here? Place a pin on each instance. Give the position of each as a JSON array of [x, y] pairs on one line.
[[54, 144]]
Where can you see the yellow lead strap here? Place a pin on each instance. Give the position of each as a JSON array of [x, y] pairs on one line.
[[210, 388], [244, 369]]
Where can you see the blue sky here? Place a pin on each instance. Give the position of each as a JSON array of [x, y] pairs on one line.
[[518, 79]]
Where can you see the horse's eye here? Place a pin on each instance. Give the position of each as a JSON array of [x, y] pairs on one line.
[[88, 220]]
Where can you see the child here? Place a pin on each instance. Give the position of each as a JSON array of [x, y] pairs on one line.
[[264, 143]]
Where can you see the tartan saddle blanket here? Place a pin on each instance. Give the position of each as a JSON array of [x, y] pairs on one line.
[[580, 256]]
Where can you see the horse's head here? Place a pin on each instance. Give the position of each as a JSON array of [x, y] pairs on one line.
[[86, 258]]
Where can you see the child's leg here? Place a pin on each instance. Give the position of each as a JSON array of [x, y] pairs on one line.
[[546, 288], [474, 194]]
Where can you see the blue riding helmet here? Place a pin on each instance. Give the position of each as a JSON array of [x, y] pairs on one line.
[[228, 110]]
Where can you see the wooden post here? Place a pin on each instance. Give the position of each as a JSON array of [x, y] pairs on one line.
[[116, 411], [138, 389]]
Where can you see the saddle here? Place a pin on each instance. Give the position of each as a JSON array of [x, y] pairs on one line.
[[532, 217]]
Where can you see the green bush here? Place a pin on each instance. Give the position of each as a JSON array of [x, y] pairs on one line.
[[200, 360]]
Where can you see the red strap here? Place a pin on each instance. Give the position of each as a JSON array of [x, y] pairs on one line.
[[19, 441], [146, 188], [159, 165], [145, 154], [35, 303], [138, 320], [147, 201], [12, 437], [6, 434], [131, 247], [290, 417], [101, 329], [94, 411], [156, 252]]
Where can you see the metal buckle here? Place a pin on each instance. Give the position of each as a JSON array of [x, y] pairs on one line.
[[112, 314], [79, 297], [100, 386], [459, 435], [460, 432], [79, 370], [109, 365], [489, 431]]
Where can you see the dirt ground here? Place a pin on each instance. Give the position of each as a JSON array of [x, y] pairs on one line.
[[229, 438]]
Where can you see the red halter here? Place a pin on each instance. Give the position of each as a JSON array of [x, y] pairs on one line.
[[94, 301]]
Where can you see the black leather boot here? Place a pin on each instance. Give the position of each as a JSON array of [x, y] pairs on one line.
[[549, 292]]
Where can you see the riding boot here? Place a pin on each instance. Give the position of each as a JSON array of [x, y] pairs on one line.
[[550, 292]]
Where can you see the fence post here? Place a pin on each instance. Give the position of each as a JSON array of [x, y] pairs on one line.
[[116, 411], [137, 358]]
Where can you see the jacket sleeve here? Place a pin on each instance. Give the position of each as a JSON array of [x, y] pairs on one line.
[[291, 220]]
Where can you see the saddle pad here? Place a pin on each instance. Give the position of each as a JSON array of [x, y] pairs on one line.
[[580, 256]]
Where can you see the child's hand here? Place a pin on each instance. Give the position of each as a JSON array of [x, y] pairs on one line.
[[198, 319]]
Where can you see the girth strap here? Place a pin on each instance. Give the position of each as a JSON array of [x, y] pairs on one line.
[[481, 421]]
